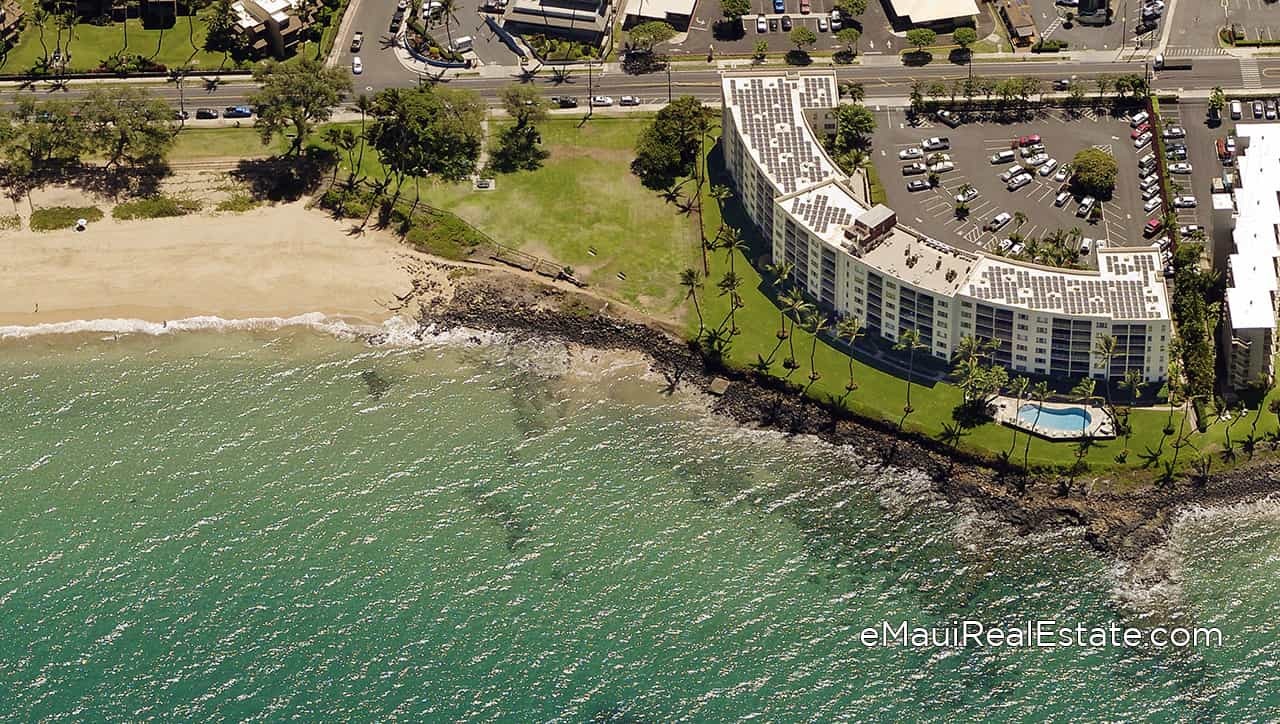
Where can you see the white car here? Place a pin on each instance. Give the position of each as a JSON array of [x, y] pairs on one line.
[[936, 143], [628, 101], [1150, 192], [1034, 149], [1152, 204], [836, 22], [822, 25], [762, 25], [1010, 172], [1184, 202], [1048, 167], [966, 196], [601, 101], [912, 169], [1064, 171], [1019, 181], [999, 221], [1190, 229], [1142, 140], [357, 67], [907, 154], [1175, 132], [1149, 179], [1180, 167], [1039, 159], [942, 167]]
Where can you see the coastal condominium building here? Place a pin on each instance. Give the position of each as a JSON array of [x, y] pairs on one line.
[[1248, 333], [855, 259]]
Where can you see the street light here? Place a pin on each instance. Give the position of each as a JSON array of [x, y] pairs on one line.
[[668, 80]]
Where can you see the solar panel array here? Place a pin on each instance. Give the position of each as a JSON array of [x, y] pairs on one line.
[[774, 127], [817, 91], [1130, 297], [818, 213]]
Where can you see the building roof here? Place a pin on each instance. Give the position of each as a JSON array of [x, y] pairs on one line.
[[1127, 286], [769, 114], [921, 262], [825, 209], [1252, 268], [660, 9], [930, 11]]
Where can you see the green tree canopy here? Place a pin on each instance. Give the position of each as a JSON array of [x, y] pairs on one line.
[[851, 8], [524, 104], [849, 37], [128, 125], [854, 125], [921, 37], [427, 131], [1094, 172], [647, 35], [734, 9], [669, 146], [43, 135], [965, 36], [300, 94], [802, 35]]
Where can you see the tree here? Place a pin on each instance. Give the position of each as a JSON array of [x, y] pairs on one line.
[[761, 50], [690, 280], [797, 307], [1103, 82], [128, 126], [781, 274], [524, 104], [851, 8], [40, 18], [1083, 393], [728, 286], [1106, 348], [734, 9], [921, 38], [647, 35], [1019, 218], [1020, 386], [300, 94], [850, 329], [854, 125], [965, 37], [1094, 172], [849, 38], [222, 33], [428, 131], [669, 146], [44, 135], [802, 35], [1217, 98], [1039, 392], [909, 340]]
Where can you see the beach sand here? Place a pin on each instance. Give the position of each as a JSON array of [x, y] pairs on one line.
[[276, 261]]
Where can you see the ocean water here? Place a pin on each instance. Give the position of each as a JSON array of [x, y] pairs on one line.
[[274, 523]]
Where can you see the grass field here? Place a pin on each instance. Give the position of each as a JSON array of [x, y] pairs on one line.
[[90, 44], [244, 142]]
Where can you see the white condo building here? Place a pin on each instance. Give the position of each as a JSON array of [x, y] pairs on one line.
[[1249, 330], [856, 260]]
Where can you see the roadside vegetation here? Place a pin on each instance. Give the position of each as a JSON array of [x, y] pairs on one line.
[[155, 207], [54, 218]]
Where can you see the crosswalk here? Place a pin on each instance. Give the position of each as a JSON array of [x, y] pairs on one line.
[[1178, 51], [1249, 73]]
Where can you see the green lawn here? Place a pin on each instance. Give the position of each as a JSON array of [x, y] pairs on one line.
[[91, 44], [196, 143]]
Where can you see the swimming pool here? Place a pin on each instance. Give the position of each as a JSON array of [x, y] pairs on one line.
[[1059, 419]]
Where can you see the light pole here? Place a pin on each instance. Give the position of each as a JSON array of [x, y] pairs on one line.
[[668, 80], [590, 93]]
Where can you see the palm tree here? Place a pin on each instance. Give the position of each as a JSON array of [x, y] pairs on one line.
[[720, 193], [1133, 382], [364, 104], [1083, 393], [728, 285], [732, 243], [67, 21], [690, 280], [850, 329], [448, 8], [1106, 348], [1039, 392], [1020, 386], [1019, 218], [781, 273], [816, 323], [797, 307], [39, 18], [908, 340]]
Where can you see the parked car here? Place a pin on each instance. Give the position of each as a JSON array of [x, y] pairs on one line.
[[601, 101], [1062, 198], [779, 6], [206, 113], [1139, 130], [1237, 110], [1149, 183], [1003, 157], [1086, 245], [998, 221], [181, 115], [1030, 140], [936, 143], [1086, 206], [1184, 202], [1269, 110], [1019, 181], [1139, 119], [357, 66], [1190, 229], [1178, 153], [917, 185], [822, 25], [967, 195], [773, 24], [1150, 192], [1175, 132], [237, 112], [1064, 173], [1048, 167], [804, 7], [836, 22], [942, 166], [1062, 84], [786, 22], [357, 41], [1152, 228], [565, 101], [1039, 159], [1152, 204], [1257, 110], [907, 154], [1142, 140], [912, 169], [762, 24], [951, 118], [1180, 167], [1010, 172], [629, 101], [1150, 178]]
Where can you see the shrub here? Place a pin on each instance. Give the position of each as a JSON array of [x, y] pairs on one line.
[[10, 222], [155, 207], [1048, 46], [54, 218], [239, 203]]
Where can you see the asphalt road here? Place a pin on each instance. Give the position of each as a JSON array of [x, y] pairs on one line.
[[879, 82]]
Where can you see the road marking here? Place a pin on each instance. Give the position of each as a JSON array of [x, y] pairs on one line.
[[1249, 74]]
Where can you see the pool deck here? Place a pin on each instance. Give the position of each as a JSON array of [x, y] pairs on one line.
[[1100, 425]]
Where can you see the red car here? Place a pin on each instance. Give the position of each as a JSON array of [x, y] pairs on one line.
[[1140, 130], [804, 6], [1031, 140], [1153, 225]]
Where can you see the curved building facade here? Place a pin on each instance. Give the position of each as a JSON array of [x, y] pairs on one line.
[[855, 259]]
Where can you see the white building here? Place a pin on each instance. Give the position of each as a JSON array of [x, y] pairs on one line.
[[856, 260], [942, 14], [1248, 334]]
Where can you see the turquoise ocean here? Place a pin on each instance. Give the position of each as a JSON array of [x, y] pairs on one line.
[[283, 523]]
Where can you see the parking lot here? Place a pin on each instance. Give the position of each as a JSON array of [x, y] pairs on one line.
[[973, 144], [1120, 33], [1259, 19], [1196, 24], [1200, 154]]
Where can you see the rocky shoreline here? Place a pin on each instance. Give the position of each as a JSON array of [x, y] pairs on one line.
[[1126, 525]]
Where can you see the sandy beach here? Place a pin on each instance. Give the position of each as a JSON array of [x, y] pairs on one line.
[[276, 261]]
